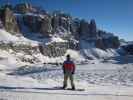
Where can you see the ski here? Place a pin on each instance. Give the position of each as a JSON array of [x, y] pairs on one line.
[[75, 89]]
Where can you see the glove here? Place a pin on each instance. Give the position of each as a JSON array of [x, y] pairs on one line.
[[73, 72]]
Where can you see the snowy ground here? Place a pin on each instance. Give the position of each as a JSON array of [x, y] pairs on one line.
[[101, 81]]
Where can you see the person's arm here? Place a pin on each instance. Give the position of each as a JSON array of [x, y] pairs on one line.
[[73, 72], [63, 68]]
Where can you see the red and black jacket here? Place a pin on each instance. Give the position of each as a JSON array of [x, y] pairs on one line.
[[68, 66]]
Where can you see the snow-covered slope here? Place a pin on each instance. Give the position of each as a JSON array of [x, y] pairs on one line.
[[90, 51], [101, 80], [5, 36]]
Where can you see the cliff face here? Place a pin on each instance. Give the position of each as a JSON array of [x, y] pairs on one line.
[[25, 18], [9, 21], [128, 49]]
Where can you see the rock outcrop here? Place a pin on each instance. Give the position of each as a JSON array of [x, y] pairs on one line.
[[23, 8], [1, 24], [9, 20], [57, 49], [74, 28], [100, 44], [128, 49], [88, 30], [59, 24], [84, 29], [93, 29], [112, 42], [105, 43], [32, 22], [60, 19], [46, 27], [55, 22]]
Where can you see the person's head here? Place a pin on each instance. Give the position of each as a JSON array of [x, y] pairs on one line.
[[68, 57]]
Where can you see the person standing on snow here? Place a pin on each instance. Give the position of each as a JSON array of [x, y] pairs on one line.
[[68, 70]]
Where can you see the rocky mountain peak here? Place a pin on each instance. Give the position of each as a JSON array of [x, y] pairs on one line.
[[26, 18], [9, 20]]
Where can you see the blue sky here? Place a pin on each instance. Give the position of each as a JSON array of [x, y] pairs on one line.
[[110, 15]]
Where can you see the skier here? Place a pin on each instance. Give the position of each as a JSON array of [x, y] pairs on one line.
[[69, 70]]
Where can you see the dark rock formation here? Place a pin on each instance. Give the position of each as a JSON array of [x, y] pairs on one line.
[[57, 49], [93, 28], [111, 42], [74, 28], [9, 20], [106, 40], [84, 29], [46, 27], [1, 24], [65, 22], [23, 8], [58, 23], [38, 23], [60, 19], [128, 49], [100, 44], [32, 22], [53, 50], [55, 22], [88, 30]]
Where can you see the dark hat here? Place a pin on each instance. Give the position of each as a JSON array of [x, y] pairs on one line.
[[68, 56]]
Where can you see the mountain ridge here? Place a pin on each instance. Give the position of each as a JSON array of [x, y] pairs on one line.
[[58, 32]]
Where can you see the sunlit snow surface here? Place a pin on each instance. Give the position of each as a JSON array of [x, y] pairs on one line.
[[102, 79]]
